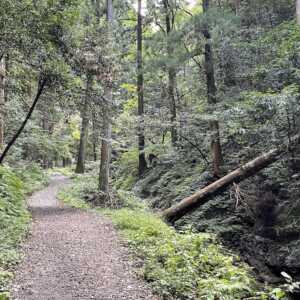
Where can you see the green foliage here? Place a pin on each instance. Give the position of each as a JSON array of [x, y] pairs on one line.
[[285, 38], [5, 296], [32, 176], [182, 265], [130, 201], [14, 217], [127, 173], [69, 199], [67, 171], [82, 185], [256, 63], [291, 286]]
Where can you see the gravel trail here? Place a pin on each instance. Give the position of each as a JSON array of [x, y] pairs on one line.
[[73, 254]]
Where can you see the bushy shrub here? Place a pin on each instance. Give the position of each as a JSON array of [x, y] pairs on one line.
[[83, 185], [127, 166], [184, 265], [14, 217], [33, 176], [13, 220]]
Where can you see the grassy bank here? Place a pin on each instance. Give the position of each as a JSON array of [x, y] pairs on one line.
[[15, 185], [180, 265]]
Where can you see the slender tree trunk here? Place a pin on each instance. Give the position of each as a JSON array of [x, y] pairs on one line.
[[95, 136], [173, 109], [45, 126], [7, 66], [94, 151], [80, 167], [171, 74], [98, 10], [41, 87], [251, 168], [140, 91], [237, 5], [2, 99], [104, 184], [298, 11], [212, 97], [106, 146]]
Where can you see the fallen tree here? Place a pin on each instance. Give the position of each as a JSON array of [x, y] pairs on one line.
[[192, 202]]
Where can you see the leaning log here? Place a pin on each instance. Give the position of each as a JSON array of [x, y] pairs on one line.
[[42, 84], [249, 169]]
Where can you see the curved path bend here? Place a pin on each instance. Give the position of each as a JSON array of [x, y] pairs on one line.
[[73, 254]]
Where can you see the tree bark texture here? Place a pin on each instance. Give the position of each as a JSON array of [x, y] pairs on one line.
[[171, 72], [216, 148], [95, 136], [106, 147], [85, 115], [2, 100], [104, 184]]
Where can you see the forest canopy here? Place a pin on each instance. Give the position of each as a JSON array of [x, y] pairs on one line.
[[191, 105]]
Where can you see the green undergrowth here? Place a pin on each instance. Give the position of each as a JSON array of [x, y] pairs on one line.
[[178, 265], [81, 186], [15, 184], [64, 171]]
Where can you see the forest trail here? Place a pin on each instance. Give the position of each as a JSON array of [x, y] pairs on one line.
[[73, 254]]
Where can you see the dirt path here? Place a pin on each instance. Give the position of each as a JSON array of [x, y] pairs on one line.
[[72, 254]]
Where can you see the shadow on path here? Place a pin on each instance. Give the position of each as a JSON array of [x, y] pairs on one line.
[[73, 254]]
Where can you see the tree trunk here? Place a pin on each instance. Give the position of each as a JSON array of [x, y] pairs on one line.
[[95, 136], [140, 91], [80, 167], [298, 11], [7, 67], [2, 100], [98, 10], [237, 5], [171, 74], [41, 87], [106, 146], [107, 126], [212, 97], [251, 168]]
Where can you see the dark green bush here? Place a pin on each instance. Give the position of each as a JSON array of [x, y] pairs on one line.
[[14, 217]]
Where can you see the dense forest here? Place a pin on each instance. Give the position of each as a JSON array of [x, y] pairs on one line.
[[178, 120]]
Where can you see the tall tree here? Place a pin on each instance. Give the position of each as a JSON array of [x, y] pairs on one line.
[[212, 95], [104, 184], [237, 5], [170, 19], [2, 98], [85, 114], [94, 135], [140, 91], [298, 11]]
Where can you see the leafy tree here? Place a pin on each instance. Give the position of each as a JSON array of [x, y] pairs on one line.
[[140, 90], [107, 74]]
